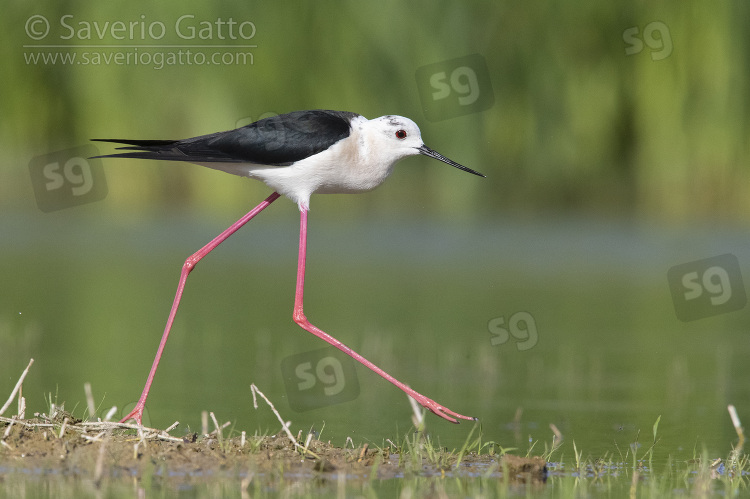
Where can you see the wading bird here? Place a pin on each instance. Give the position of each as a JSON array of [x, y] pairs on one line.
[[296, 154]]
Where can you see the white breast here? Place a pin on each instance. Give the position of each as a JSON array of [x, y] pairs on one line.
[[349, 166]]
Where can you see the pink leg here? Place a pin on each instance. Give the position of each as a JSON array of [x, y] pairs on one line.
[[299, 318], [190, 263]]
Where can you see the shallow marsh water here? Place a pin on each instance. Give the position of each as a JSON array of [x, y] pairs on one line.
[[428, 302]]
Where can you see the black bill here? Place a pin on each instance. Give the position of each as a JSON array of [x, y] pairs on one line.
[[434, 154]]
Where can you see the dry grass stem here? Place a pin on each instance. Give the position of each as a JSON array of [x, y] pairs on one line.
[[62, 427], [16, 388], [89, 399], [99, 466], [285, 426]]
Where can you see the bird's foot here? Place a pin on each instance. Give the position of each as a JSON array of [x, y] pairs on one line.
[[439, 410], [136, 414]]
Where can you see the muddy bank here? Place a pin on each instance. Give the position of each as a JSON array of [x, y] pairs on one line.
[[101, 452]]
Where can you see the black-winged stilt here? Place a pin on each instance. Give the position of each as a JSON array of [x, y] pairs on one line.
[[296, 154]]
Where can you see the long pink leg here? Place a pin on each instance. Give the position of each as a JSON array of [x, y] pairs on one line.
[[299, 318], [190, 263]]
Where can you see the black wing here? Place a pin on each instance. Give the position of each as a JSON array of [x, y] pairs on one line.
[[278, 141]]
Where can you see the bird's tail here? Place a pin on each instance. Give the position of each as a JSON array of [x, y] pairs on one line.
[[146, 149]]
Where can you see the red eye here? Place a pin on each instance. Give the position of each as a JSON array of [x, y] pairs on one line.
[[401, 134]]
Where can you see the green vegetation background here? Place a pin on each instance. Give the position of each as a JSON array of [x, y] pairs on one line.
[[577, 123]]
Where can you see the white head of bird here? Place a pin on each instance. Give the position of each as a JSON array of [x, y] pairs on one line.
[[367, 158]]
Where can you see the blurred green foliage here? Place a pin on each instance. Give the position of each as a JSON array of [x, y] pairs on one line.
[[583, 119]]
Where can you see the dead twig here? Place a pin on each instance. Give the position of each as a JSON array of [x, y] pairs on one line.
[[284, 425], [17, 387]]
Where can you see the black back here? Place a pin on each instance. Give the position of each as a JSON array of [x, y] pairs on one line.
[[277, 141]]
